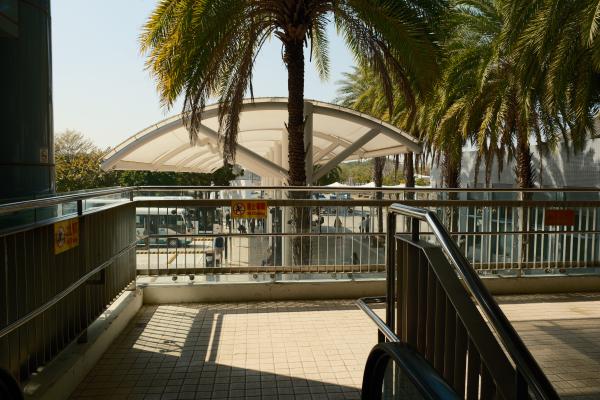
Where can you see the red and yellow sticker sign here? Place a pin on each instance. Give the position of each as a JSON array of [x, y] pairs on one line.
[[249, 209], [559, 218], [66, 235]]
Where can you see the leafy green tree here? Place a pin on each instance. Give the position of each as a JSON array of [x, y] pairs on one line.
[[206, 49], [78, 163], [357, 172], [331, 177], [71, 143], [220, 177]]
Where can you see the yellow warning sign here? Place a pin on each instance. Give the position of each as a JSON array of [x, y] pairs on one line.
[[249, 209], [66, 235]]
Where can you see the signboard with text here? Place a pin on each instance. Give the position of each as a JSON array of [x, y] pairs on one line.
[[559, 218], [249, 209], [66, 235]]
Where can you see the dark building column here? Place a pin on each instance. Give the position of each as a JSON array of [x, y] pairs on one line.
[[26, 127]]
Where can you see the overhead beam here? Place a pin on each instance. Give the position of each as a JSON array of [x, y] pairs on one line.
[[332, 139], [366, 120], [247, 156], [361, 141], [385, 151], [323, 152]]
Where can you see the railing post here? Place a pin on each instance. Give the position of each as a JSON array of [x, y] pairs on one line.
[[83, 336], [391, 273], [415, 229]]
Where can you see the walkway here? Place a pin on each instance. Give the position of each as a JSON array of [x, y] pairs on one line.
[[563, 333], [311, 349]]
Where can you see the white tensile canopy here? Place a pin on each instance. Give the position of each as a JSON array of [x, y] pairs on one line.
[[336, 184], [332, 134]]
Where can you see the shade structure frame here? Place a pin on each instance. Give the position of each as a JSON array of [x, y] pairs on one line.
[[333, 134]]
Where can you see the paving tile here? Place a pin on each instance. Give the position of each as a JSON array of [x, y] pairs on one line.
[[311, 349]]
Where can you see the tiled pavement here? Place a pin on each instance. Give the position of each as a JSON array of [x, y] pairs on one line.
[[563, 334], [311, 349], [277, 350]]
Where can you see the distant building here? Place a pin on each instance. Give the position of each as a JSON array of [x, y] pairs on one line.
[[560, 168], [249, 178]]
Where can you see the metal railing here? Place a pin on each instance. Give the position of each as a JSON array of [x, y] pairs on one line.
[[339, 237], [505, 236], [430, 305], [496, 231], [50, 296]]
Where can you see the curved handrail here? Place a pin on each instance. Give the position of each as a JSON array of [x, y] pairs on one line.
[[422, 375], [516, 349]]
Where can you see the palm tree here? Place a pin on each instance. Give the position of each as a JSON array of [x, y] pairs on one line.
[[482, 99], [204, 49], [556, 46]]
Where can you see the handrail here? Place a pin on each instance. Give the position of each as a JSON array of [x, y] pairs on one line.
[[524, 361], [421, 374], [55, 200], [371, 203], [83, 195], [345, 189], [363, 302], [28, 317]]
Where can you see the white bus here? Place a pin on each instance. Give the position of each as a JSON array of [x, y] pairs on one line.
[[169, 223]]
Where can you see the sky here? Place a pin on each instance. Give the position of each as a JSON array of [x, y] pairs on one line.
[[102, 89]]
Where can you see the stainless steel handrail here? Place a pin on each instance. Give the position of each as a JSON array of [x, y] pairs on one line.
[[519, 353], [55, 200], [373, 203], [362, 303], [23, 320], [345, 189], [77, 196]]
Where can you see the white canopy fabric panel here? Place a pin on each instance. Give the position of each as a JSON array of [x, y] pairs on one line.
[[338, 134]]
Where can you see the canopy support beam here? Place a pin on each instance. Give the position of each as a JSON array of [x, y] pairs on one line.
[[364, 139], [254, 161], [322, 153]]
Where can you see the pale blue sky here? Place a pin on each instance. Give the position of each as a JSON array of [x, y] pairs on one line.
[[101, 88]]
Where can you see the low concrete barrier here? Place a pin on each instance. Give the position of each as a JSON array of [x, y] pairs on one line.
[[166, 291], [195, 292]]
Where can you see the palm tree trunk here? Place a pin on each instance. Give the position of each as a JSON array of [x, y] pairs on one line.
[[409, 169], [301, 216], [409, 174], [294, 59], [524, 173], [451, 171], [524, 167], [378, 165]]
